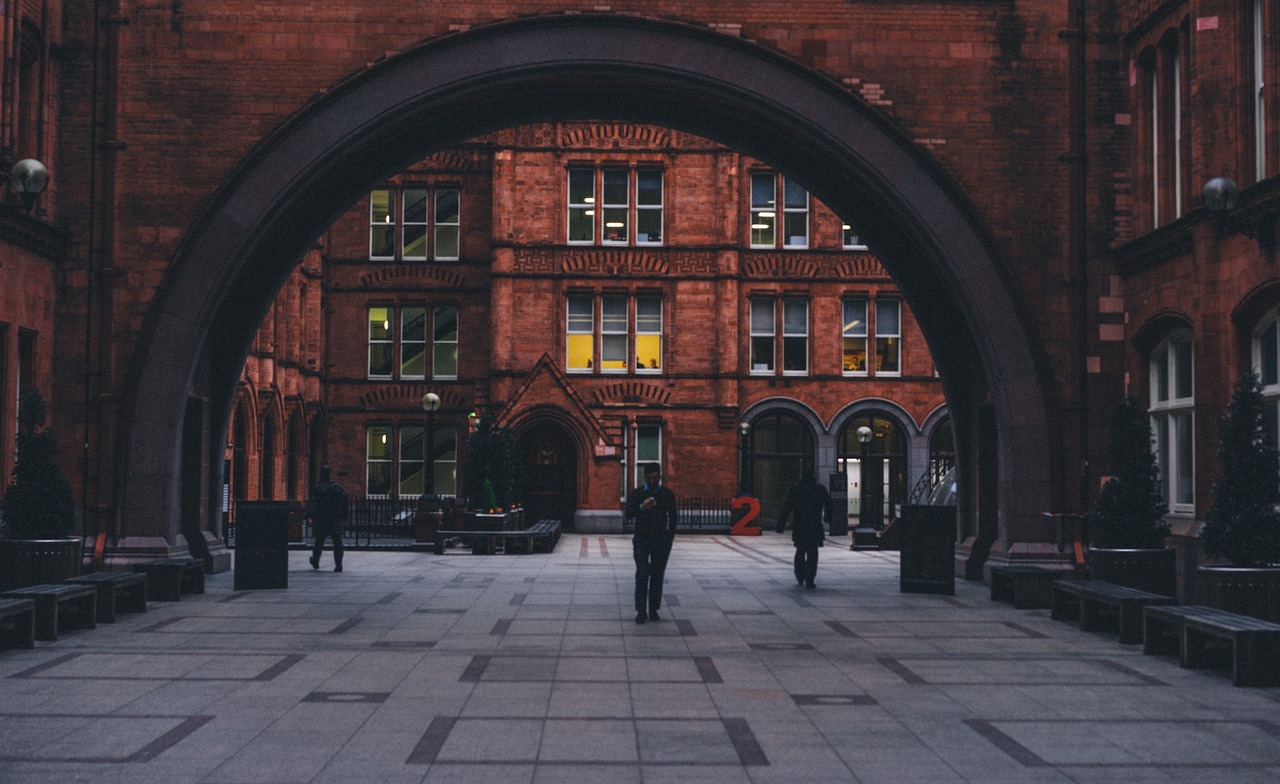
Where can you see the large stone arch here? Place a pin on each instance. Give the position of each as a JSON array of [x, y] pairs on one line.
[[299, 179]]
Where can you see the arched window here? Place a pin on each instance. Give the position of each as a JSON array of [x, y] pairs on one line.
[[1172, 406], [883, 463], [781, 447], [1266, 363]]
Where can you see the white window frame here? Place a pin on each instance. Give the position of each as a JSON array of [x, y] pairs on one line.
[[1168, 411], [643, 208], [856, 330], [792, 334], [380, 222], [424, 223], [849, 240], [1155, 140], [389, 324], [754, 332], [404, 311], [646, 328], [610, 211], [587, 206], [881, 333], [611, 329], [370, 434], [764, 212], [439, 227], [638, 462], [403, 432], [439, 344], [790, 212]]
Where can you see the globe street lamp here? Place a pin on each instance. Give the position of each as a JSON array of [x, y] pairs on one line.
[[28, 178], [431, 404], [744, 480], [864, 535]]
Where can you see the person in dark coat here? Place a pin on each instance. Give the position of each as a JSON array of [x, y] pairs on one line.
[[327, 508], [653, 508], [808, 500]]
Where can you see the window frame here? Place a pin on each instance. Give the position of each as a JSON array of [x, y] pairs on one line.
[[396, 342], [791, 337], [395, 219], [882, 335], [602, 209], [846, 334], [630, 333], [393, 436], [1167, 412]]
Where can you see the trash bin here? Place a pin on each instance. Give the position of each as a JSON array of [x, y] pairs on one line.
[[928, 549], [262, 545]]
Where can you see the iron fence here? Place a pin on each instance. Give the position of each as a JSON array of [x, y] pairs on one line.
[[695, 514], [371, 522]]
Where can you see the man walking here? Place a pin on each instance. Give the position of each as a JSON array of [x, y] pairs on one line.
[[327, 508], [808, 500], [653, 508]]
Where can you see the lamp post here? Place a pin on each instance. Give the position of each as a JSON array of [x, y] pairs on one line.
[[28, 178], [864, 535], [744, 478], [431, 404]]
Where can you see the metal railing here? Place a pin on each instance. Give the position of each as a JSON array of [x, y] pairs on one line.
[[695, 514]]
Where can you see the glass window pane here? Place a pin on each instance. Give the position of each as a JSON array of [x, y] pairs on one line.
[[762, 317], [615, 224], [413, 323], [648, 314], [648, 444], [581, 313], [887, 359], [581, 224], [447, 243], [582, 206], [413, 360], [762, 190], [1161, 426], [649, 187], [854, 359], [382, 229], [613, 314], [795, 317], [447, 206], [382, 206], [579, 352], [649, 225], [855, 317], [762, 353], [649, 352], [411, 444], [379, 443], [1160, 375], [615, 186], [1186, 482], [582, 186], [795, 229], [379, 323], [1267, 350], [444, 360], [793, 195], [415, 205], [380, 359], [378, 461], [446, 324], [613, 352], [1182, 367], [795, 355], [415, 241], [888, 318]]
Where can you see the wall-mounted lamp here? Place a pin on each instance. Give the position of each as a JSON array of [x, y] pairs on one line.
[[1221, 195], [28, 178]]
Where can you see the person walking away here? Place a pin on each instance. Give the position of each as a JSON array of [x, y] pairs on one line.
[[808, 500], [653, 508], [327, 508]]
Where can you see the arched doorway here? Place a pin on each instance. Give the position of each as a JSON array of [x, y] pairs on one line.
[[849, 155], [549, 473], [876, 471], [780, 448]]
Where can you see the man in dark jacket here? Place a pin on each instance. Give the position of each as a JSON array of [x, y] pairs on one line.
[[653, 508], [327, 508], [808, 500]]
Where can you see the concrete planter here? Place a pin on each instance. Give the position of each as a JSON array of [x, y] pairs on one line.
[[25, 562], [1146, 569], [1253, 591]]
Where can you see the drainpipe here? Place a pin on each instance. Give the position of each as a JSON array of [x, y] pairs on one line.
[[1077, 159]]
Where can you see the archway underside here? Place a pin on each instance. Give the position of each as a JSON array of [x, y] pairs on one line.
[[600, 67]]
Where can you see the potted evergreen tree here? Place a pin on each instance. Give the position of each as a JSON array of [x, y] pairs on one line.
[[492, 479], [39, 508], [1126, 528], [1243, 525]]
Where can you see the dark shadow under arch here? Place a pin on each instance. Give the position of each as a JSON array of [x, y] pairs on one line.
[[301, 178]]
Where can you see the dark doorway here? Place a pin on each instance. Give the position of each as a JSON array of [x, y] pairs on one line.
[[781, 449], [549, 475]]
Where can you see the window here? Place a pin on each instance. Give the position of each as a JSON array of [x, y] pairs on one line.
[[1166, 157], [648, 450], [765, 187], [622, 344], [1259, 91], [397, 463], [415, 322], [854, 349], [793, 314], [630, 206], [763, 332], [424, 213], [888, 337], [1172, 418], [1266, 364], [849, 239]]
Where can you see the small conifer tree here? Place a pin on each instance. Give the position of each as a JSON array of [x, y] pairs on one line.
[[493, 468], [1243, 525], [1130, 509], [39, 503]]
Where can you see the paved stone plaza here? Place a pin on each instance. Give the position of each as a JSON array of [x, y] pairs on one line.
[[411, 667]]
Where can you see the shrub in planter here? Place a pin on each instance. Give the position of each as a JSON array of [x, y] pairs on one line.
[[1126, 527], [492, 480], [1243, 525], [39, 508]]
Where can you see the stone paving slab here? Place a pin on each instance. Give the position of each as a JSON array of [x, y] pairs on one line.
[[420, 668]]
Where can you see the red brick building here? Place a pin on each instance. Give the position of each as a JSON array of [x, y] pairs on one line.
[[1028, 172], [616, 294]]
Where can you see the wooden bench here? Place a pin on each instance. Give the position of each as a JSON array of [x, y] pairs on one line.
[[1028, 587], [1090, 601], [1188, 630], [117, 592], [169, 578], [59, 606], [17, 623]]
